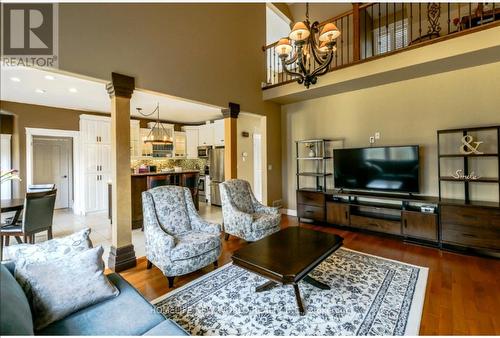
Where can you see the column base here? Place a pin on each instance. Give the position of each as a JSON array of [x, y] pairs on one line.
[[122, 258]]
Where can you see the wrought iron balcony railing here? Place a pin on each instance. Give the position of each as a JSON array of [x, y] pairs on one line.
[[374, 30]]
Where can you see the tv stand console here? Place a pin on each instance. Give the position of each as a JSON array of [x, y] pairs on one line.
[[453, 225], [393, 214]]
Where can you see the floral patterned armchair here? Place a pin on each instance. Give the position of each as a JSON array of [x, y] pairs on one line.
[[178, 240], [243, 215]]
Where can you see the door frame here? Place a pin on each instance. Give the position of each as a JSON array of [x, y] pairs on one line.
[[8, 138], [254, 168], [77, 170]]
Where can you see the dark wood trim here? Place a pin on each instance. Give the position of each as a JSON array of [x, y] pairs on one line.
[[121, 85], [233, 110], [6, 124], [122, 258], [356, 35]]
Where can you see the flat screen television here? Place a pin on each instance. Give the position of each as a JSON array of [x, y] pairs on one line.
[[392, 169]]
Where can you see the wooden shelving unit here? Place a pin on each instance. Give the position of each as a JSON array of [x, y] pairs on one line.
[[466, 160], [321, 149], [471, 223]]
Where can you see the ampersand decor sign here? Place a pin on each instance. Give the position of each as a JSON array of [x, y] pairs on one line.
[[469, 146]]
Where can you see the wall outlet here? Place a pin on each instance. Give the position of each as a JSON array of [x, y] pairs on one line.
[[270, 167], [377, 136], [372, 139]]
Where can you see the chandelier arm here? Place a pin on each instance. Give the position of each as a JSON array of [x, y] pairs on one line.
[[324, 65], [302, 67], [315, 51], [293, 74], [289, 72], [314, 48], [290, 61]]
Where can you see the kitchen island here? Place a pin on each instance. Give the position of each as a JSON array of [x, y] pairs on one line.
[[143, 181]]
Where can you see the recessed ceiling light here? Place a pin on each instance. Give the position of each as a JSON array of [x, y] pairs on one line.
[[40, 91], [50, 77], [72, 90], [15, 79]]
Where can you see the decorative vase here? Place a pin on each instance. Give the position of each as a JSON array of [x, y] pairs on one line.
[[312, 153]]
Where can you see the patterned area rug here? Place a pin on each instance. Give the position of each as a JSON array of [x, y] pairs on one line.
[[369, 295]]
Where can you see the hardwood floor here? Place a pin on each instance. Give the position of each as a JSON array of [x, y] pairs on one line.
[[462, 295]]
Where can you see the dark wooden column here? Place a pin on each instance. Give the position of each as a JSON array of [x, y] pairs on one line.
[[230, 139], [122, 253], [356, 23]]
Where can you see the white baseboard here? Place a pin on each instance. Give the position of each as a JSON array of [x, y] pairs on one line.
[[289, 212]]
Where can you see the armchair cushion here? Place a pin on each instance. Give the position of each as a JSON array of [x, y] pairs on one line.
[[193, 244], [265, 221], [171, 209], [239, 192]]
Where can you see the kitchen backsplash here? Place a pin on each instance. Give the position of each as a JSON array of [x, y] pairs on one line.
[[164, 163]]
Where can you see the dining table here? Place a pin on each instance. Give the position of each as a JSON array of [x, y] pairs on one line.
[[12, 204]]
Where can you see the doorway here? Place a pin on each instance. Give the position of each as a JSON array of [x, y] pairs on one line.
[[53, 163], [257, 166]]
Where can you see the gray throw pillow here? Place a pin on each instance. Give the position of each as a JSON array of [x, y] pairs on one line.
[[49, 250], [63, 286]]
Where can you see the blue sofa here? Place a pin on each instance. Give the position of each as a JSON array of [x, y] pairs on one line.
[[128, 314]]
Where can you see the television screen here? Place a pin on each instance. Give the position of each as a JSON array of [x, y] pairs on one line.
[[393, 169]]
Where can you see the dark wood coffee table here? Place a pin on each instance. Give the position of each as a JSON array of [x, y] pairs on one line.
[[287, 257]]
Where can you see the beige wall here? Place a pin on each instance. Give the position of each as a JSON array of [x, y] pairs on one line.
[[205, 52], [405, 112]]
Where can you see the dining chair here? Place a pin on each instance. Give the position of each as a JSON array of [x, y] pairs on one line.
[[41, 187], [37, 217], [33, 188]]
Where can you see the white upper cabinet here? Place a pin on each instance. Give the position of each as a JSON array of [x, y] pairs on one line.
[[191, 141], [95, 129], [179, 144], [135, 138], [146, 148], [218, 127], [206, 135]]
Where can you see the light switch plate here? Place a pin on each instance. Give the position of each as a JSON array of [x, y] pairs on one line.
[[377, 135]]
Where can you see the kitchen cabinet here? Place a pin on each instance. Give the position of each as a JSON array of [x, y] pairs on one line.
[[179, 144], [206, 135], [95, 129], [191, 141], [218, 128], [146, 148], [135, 138], [95, 132]]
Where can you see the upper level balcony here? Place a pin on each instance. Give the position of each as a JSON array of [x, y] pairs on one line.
[[373, 31]]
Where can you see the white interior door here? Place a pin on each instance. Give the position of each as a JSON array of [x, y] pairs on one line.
[[52, 163], [5, 164], [257, 166]]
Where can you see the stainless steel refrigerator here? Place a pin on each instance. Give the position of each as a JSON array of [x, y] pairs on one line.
[[216, 159]]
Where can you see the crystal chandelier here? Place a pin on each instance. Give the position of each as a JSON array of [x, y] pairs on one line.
[[322, 49], [158, 134]]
